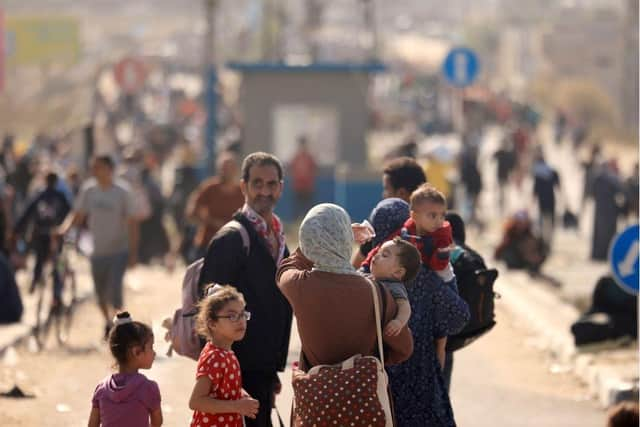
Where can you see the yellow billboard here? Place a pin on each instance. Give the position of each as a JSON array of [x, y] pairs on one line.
[[42, 40]]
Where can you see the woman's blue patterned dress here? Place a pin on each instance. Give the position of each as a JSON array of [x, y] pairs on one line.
[[417, 385]]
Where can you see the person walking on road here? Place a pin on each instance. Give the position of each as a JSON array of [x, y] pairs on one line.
[[417, 385], [471, 180], [47, 210], [505, 158], [214, 202], [108, 206], [263, 351], [608, 193], [303, 175], [546, 181], [591, 168], [632, 190]]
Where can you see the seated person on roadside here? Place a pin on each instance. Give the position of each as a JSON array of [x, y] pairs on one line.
[[396, 265], [520, 248], [427, 230]]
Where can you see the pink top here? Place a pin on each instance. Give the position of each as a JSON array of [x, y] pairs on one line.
[[126, 400]]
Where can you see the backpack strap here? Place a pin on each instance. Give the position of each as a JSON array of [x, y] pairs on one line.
[[244, 234]]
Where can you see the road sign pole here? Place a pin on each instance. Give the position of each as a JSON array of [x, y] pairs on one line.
[[211, 80], [2, 51], [460, 68]]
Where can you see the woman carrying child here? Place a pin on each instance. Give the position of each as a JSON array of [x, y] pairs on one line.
[[332, 302], [417, 385]]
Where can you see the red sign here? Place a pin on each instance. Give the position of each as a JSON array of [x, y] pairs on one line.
[[2, 50], [130, 74]]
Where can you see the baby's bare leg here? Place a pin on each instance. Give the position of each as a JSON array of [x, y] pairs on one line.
[[441, 344]]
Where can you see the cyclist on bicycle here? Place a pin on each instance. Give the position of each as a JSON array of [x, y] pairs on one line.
[[46, 211]]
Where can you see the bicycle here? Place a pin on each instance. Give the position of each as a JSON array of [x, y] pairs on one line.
[[57, 314]]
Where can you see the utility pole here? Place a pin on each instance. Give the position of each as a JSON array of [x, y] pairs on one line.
[[313, 21], [371, 23], [210, 78]]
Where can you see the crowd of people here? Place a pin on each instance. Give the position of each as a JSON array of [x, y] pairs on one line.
[[409, 246]]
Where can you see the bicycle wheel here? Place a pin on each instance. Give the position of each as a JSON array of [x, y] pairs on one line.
[[42, 318], [64, 313]]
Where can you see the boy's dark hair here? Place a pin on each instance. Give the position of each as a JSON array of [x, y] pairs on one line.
[[210, 306], [408, 258], [405, 172], [260, 159], [106, 160], [51, 179], [624, 414], [427, 193], [124, 337]]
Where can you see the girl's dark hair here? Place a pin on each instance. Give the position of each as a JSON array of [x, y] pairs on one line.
[[126, 336], [210, 306]]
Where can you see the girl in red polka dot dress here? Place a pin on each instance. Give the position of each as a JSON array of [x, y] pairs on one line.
[[218, 399]]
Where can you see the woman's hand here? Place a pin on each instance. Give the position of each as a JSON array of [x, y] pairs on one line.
[[362, 232]]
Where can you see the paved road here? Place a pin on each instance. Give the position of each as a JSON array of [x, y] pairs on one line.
[[501, 380]]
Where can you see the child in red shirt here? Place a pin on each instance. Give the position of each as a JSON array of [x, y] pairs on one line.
[[217, 398]]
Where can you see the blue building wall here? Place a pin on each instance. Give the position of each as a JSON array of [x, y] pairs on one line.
[[358, 197]]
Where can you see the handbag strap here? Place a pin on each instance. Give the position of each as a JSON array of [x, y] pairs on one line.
[[376, 309]]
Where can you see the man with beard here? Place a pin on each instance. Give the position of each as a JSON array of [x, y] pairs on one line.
[[263, 351]]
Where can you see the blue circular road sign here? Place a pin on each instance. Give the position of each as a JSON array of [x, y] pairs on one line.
[[461, 66], [624, 256]]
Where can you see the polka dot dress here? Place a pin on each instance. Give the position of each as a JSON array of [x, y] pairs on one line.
[[223, 369]]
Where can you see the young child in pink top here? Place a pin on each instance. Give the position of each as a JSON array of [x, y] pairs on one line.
[[127, 398], [218, 399]]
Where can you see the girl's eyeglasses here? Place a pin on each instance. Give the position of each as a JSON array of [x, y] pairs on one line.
[[236, 317]]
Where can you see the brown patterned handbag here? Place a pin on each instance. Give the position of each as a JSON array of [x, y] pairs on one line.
[[351, 393]]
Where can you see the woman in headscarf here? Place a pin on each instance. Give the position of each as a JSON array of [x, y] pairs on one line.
[[332, 302], [417, 385]]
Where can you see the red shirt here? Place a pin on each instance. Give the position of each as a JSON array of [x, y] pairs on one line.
[[440, 238], [223, 369], [303, 172]]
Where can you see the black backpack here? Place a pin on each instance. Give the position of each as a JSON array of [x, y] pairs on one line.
[[475, 286]]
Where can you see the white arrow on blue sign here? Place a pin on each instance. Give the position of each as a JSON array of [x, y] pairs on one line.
[[624, 256], [461, 66]]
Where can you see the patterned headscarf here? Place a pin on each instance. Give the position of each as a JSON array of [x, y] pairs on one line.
[[326, 239], [387, 217]]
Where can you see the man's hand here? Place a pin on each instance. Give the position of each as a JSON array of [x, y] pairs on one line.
[[248, 406], [393, 328]]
